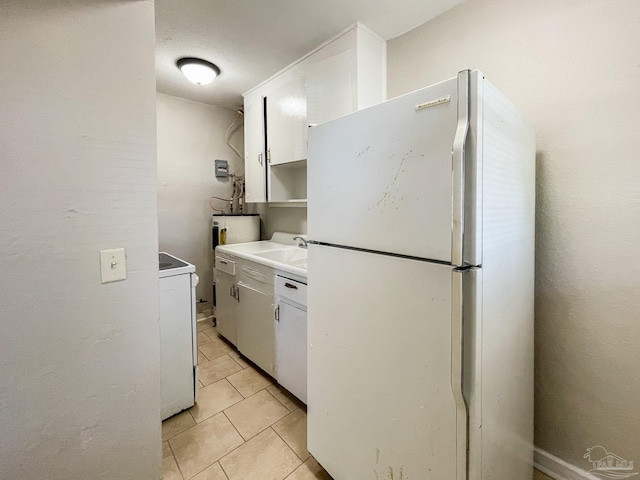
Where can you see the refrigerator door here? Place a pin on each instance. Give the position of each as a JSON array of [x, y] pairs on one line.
[[381, 179], [380, 366]]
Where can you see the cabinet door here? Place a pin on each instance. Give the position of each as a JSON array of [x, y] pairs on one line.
[[254, 154], [291, 349], [226, 307], [287, 122], [330, 88], [256, 337]]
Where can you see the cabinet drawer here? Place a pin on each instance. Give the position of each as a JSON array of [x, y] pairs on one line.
[[291, 289], [226, 265]]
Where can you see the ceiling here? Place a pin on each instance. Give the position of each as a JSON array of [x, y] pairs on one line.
[[250, 40]]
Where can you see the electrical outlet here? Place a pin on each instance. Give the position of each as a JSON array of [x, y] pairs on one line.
[[113, 265]]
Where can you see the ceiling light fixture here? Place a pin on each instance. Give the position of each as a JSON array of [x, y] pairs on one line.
[[197, 70]]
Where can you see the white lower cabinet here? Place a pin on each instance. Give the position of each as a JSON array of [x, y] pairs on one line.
[[226, 301], [291, 349], [264, 315], [226, 307], [256, 336], [291, 336]]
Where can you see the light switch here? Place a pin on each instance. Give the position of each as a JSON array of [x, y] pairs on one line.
[[113, 265]]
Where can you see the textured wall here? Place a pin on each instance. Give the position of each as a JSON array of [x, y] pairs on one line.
[[282, 219], [190, 139], [79, 361], [574, 68]]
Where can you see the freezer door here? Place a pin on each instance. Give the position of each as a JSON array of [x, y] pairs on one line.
[[380, 393], [381, 178]]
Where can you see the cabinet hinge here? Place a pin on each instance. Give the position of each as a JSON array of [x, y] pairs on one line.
[[269, 155]]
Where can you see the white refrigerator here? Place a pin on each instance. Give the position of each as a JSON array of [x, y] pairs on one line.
[[421, 282]]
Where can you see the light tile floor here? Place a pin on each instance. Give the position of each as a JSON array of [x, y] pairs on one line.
[[538, 475], [244, 426]]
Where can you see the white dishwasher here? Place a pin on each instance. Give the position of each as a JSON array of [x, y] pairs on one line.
[[291, 335]]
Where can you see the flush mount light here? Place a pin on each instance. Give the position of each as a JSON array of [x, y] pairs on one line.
[[197, 70]]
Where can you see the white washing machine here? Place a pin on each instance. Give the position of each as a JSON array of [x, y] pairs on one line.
[[178, 348]]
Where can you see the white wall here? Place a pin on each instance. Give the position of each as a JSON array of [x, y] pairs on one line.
[[190, 139], [79, 361], [574, 67], [282, 219]]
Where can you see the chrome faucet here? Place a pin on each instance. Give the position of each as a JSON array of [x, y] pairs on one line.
[[302, 243]]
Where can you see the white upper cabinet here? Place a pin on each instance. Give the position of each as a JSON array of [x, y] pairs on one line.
[[254, 153], [330, 89], [343, 75], [287, 122]]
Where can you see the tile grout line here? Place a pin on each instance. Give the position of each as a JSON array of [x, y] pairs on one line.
[[218, 460], [225, 355], [188, 410], [267, 389], [234, 387], [202, 353], [220, 342], [224, 472], [289, 447], [213, 358], [235, 363], [244, 441], [207, 335], [281, 403], [193, 418], [239, 354], [287, 443], [230, 452], [208, 466], [175, 459], [213, 415], [268, 426]]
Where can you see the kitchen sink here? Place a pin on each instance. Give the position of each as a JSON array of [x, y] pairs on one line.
[[292, 255], [280, 253]]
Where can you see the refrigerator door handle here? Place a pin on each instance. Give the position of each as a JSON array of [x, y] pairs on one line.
[[457, 359], [457, 158]]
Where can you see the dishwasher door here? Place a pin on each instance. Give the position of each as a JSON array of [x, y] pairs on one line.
[[255, 326], [291, 336]]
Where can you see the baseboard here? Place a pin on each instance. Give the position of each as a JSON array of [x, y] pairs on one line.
[[557, 468], [202, 320]]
